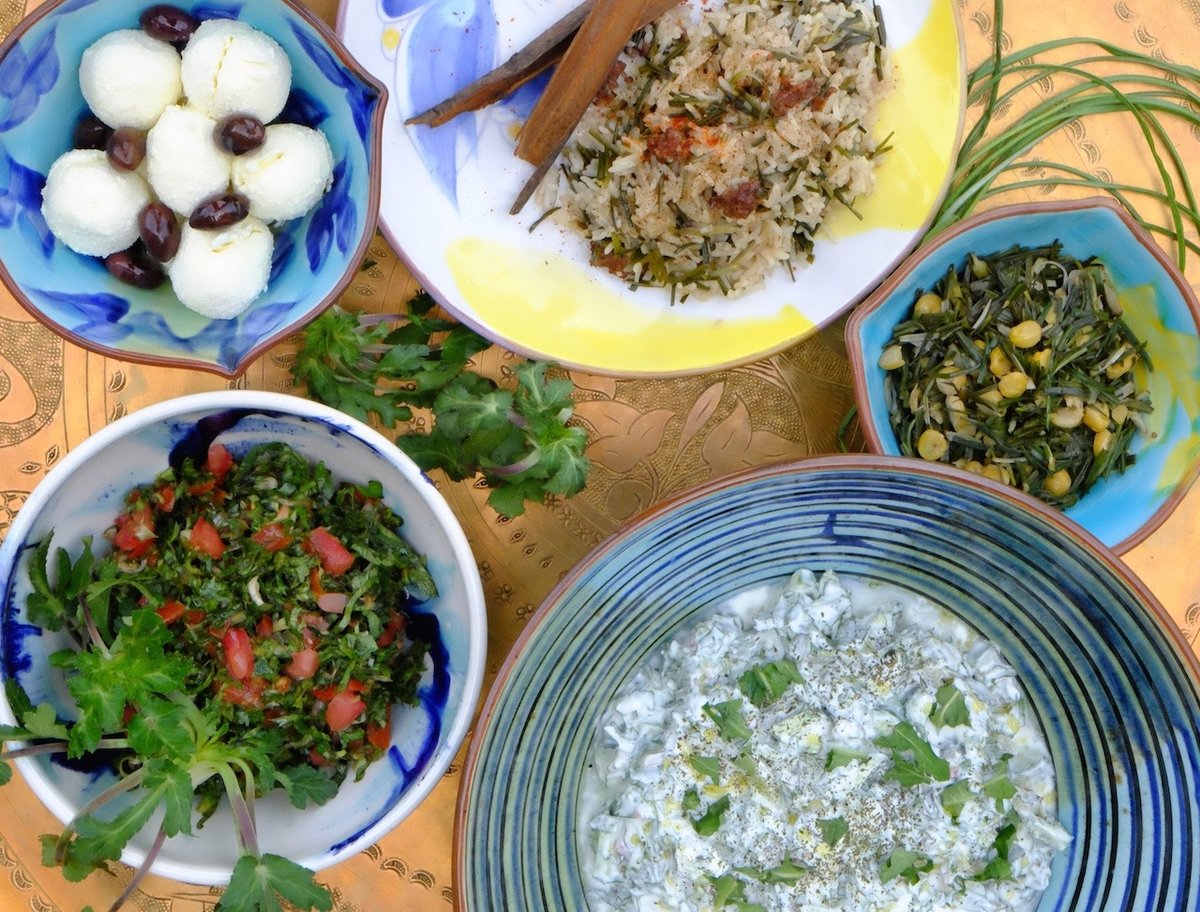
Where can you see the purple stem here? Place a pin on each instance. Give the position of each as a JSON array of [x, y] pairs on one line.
[[155, 847]]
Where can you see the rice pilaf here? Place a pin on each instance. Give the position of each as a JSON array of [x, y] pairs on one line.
[[721, 140]]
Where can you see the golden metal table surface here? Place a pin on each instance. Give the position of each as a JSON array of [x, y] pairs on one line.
[[648, 439]]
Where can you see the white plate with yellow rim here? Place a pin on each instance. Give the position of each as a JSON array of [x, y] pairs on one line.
[[447, 192]]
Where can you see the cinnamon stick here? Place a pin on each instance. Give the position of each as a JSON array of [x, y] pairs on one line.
[[536, 57]]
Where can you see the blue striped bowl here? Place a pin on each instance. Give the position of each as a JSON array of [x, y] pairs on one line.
[[1113, 685]]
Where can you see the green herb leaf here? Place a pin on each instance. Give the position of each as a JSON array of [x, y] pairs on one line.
[[691, 800], [955, 797], [766, 683], [727, 890], [905, 865], [998, 867], [833, 829], [951, 707], [257, 884], [710, 821], [843, 756], [707, 766], [913, 759], [787, 872], [1000, 787], [729, 720]]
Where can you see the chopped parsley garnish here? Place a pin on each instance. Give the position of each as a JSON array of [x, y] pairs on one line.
[[906, 865], [913, 759], [710, 821], [950, 708], [843, 756], [766, 683], [707, 766], [729, 720], [955, 797], [833, 829]]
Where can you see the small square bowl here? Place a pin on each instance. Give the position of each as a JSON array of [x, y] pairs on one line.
[[315, 256], [1159, 306]]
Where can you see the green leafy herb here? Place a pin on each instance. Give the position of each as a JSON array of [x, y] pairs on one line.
[[257, 882], [729, 891], [691, 800], [746, 764], [710, 821], [913, 759], [843, 756], [766, 683], [786, 872], [955, 797], [951, 707], [1000, 787], [518, 439], [707, 766], [999, 867], [905, 865], [729, 720], [833, 829]]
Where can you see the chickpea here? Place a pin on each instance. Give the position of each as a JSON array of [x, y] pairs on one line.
[[979, 268], [928, 304], [1040, 359], [1058, 484], [1119, 414], [1102, 441], [1095, 416], [999, 363], [1013, 384], [932, 445], [1069, 414], [992, 397], [1122, 367], [994, 472], [892, 358], [1025, 334]]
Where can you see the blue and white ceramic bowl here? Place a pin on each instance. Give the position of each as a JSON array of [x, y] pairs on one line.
[[1109, 678], [316, 256], [1159, 307], [82, 495]]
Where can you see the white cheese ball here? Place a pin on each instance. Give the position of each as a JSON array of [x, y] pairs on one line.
[[128, 78], [91, 206], [183, 163], [219, 273], [230, 67], [285, 176]]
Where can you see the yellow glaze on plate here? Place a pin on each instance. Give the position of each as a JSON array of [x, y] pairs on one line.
[[544, 303]]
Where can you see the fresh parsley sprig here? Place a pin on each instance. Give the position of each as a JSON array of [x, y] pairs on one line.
[[385, 367]]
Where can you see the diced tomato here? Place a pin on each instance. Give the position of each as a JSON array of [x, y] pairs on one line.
[[395, 627], [193, 617], [316, 758], [171, 611], [127, 716], [329, 691], [380, 736], [271, 537], [204, 539], [165, 496], [343, 710], [202, 487], [218, 462], [335, 559], [239, 655], [332, 602], [265, 626], [303, 665], [135, 531], [314, 582], [246, 693]]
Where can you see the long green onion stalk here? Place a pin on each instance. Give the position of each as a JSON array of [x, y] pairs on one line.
[[1149, 90]]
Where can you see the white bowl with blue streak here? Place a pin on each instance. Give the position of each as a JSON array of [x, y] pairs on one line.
[[83, 494], [315, 256], [1159, 306]]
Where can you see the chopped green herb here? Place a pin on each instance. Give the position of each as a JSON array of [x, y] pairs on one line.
[[999, 868], [786, 872], [710, 821], [766, 683], [729, 720], [746, 764], [833, 829], [913, 759], [906, 865], [955, 797], [843, 756], [691, 800], [707, 766], [951, 707], [1000, 787]]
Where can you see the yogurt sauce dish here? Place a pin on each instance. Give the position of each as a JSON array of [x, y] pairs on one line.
[[843, 683]]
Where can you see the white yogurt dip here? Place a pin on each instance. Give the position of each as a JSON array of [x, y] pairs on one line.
[[835, 746]]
